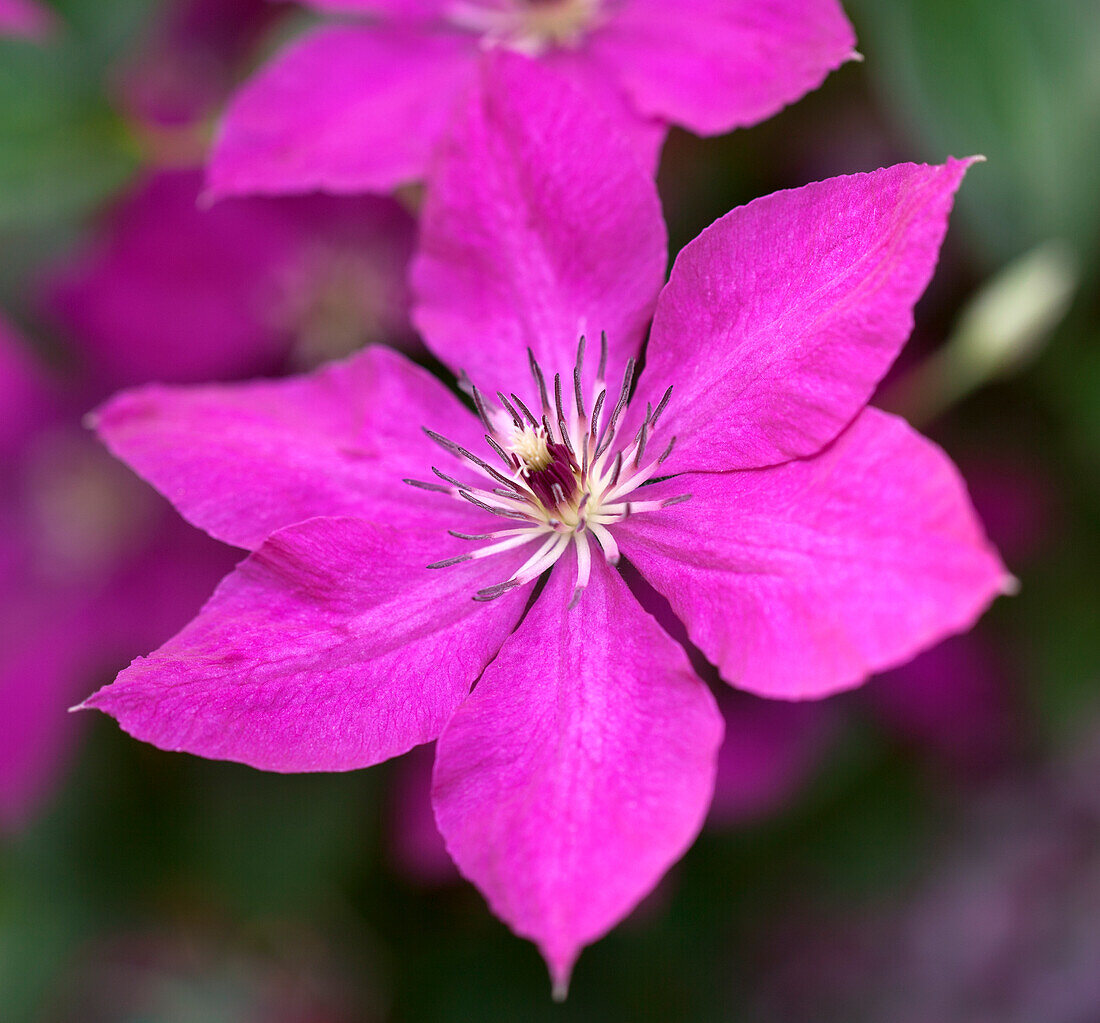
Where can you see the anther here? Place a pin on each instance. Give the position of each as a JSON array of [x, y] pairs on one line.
[[536, 372]]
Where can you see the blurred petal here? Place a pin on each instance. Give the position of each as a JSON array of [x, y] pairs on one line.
[[580, 768], [44, 648], [26, 399], [395, 9], [539, 226], [954, 701], [714, 65], [415, 844], [231, 294], [345, 109], [25, 18], [801, 580], [241, 461], [780, 318], [143, 309], [332, 647], [771, 751]]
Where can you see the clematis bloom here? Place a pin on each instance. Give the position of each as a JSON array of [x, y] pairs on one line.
[[360, 105], [804, 539]]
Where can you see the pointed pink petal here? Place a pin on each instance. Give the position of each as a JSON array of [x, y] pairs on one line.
[[25, 18], [242, 460], [539, 226], [580, 768], [801, 580], [780, 318], [332, 647], [345, 109], [646, 135], [714, 65]]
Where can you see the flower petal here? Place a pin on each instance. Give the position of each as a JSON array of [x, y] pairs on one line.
[[411, 10], [780, 318], [801, 580], [580, 768], [714, 65], [772, 750], [223, 299], [539, 226], [25, 19], [646, 135], [243, 460], [27, 397], [45, 647], [330, 648], [344, 109]]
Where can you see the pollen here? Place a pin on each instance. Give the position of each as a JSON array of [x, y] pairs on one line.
[[530, 446]]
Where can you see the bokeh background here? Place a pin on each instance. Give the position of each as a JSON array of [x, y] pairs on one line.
[[927, 848]]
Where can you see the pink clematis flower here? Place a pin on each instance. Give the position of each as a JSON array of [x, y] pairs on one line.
[[360, 105], [193, 57], [822, 541], [25, 19]]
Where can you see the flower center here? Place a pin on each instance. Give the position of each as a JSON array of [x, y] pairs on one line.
[[332, 302], [566, 474], [529, 26]]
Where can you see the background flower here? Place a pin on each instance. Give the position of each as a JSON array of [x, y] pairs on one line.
[[359, 106]]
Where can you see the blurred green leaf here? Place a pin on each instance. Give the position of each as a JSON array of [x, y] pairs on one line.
[[62, 149], [1017, 80]]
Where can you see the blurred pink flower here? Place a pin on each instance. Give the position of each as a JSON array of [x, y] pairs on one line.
[[416, 847], [824, 540], [771, 750], [1000, 926], [91, 567], [1018, 500], [196, 51], [25, 19], [954, 701], [360, 105], [167, 291]]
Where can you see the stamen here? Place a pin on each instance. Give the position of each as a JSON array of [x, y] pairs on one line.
[[421, 485], [561, 482], [505, 513], [584, 569], [643, 436], [540, 380], [526, 412], [606, 541], [483, 411], [661, 406], [516, 418], [492, 592]]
